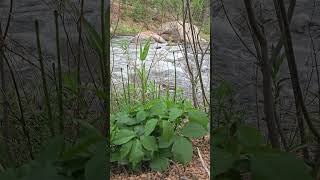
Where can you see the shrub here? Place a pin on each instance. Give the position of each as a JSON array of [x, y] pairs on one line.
[[156, 132], [60, 160], [138, 12], [240, 149]]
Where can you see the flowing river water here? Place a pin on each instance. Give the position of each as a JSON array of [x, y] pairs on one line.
[[160, 62]]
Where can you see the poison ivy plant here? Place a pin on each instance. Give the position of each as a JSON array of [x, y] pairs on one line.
[[155, 133]]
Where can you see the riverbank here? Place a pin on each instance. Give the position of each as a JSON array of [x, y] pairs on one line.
[[124, 21]]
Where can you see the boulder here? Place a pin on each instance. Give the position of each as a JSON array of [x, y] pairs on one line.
[[146, 35], [174, 31]]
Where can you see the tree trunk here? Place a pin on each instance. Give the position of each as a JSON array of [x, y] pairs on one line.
[[266, 72]]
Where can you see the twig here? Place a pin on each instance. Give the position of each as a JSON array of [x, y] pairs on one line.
[[203, 163], [60, 100], [44, 81]]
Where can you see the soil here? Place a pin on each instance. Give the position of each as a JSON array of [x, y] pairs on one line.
[[193, 171]]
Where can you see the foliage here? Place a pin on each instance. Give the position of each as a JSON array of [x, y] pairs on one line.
[[155, 132], [138, 12], [144, 50], [61, 160], [197, 7], [154, 11], [240, 149], [225, 111]]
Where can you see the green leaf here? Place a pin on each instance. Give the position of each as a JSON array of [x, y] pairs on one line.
[[167, 130], [166, 152], [223, 90], [174, 114], [82, 146], [96, 166], [220, 136], [9, 174], [267, 166], [149, 143], [164, 143], [86, 126], [115, 156], [44, 171], [198, 117], [70, 82], [123, 118], [125, 149], [123, 136], [93, 37], [222, 161], [139, 130], [144, 51], [136, 154], [52, 149], [182, 150], [141, 116], [158, 109], [249, 136], [159, 164], [150, 126], [193, 130]]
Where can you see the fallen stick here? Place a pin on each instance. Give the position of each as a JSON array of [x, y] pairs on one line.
[[202, 162]]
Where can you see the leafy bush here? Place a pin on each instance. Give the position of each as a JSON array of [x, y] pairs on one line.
[[138, 12], [239, 149], [59, 160], [226, 110], [156, 132]]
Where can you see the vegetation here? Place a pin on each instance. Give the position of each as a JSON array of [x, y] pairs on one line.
[[156, 129], [131, 17], [281, 146], [239, 149], [63, 134], [156, 133], [70, 127], [56, 136]]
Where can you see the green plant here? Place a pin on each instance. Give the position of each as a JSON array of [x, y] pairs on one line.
[[225, 111], [138, 12], [155, 132], [60, 160], [278, 82], [240, 149], [144, 50], [198, 7]]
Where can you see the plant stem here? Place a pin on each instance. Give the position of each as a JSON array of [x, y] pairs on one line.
[[60, 101], [124, 90], [79, 59], [44, 82], [128, 84], [5, 103], [21, 118], [175, 78]]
